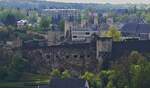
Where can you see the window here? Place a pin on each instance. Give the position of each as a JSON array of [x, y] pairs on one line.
[[88, 56], [75, 56], [74, 36], [87, 33], [56, 56], [48, 56], [67, 56], [82, 56]]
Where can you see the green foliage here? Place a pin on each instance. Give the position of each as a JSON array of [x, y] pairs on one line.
[[10, 16], [62, 25], [136, 58], [88, 76], [120, 18], [18, 63], [147, 17], [3, 73], [66, 74], [110, 85], [140, 75], [45, 22], [14, 69], [94, 80], [114, 33], [129, 72], [58, 74], [33, 17], [55, 73]]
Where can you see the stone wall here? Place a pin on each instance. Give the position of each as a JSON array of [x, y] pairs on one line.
[[75, 57], [80, 57]]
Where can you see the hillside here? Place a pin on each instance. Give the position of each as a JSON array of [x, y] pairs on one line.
[[48, 4]]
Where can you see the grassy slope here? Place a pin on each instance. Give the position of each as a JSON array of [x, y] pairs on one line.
[[27, 80]]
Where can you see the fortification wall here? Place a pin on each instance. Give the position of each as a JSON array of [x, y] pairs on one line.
[[81, 57], [75, 57]]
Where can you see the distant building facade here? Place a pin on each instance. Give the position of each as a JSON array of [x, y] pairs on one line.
[[62, 14], [136, 30], [80, 32], [22, 23]]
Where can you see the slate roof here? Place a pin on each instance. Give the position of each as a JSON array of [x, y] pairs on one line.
[[104, 27], [67, 83], [136, 28], [44, 86], [88, 28]]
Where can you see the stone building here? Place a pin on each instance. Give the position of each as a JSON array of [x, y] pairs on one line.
[[55, 37], [103, 48], [74, 57], [81, 57], [78, 33], [16, 43], [77, 58]]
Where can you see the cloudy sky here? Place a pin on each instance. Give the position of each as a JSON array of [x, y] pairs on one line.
[[105, 1]]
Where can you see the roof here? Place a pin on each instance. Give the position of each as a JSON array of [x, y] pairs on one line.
[[136, 28], [67, 83], [44, 86], [88, 28], [104, 27]]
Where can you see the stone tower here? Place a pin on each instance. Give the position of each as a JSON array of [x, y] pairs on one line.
[[95, 18], [103, 48], [67, 29]]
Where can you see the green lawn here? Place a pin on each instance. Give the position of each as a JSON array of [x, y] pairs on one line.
[[12, 85], [27, 81]]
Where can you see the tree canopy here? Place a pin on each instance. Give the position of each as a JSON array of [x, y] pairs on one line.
[[114, 33], [45, 22]]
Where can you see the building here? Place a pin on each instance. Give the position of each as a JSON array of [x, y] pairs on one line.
[[55, 37], [43, 86], [110, 21], [22, 23], [136, 30], [80, 32], [83, 34], [68, 83], [81, 57], [65, 14], [78, 57], [103, 29]]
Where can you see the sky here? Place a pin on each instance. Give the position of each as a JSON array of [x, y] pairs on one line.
[[106, 1]]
